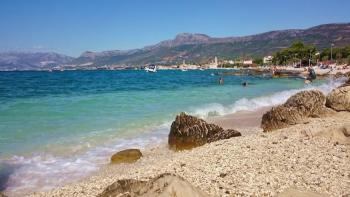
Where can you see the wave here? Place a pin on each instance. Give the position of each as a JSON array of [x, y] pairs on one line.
[[245, 104], [45, 171]]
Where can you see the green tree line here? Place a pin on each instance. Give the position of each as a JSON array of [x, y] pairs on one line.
[[300, 52]]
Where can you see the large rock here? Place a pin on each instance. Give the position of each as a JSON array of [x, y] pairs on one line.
[[188, 131], [339, 99], [163, 185], [295, 110], [2, 195], [126, 156]]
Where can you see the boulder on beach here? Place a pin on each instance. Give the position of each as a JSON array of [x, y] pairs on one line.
[[163, 185], [187, 132], [295, 110], [126, 156], [339, 99]]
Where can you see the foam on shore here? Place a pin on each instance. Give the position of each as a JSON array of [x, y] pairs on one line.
[[252, 104], [46, 171]]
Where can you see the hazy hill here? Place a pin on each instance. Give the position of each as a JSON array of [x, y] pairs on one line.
[[31, 61]]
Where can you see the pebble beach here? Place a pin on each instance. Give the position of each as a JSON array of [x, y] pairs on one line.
[[290, 160]]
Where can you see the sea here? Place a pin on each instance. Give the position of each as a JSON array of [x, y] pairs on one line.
[[57, 127]]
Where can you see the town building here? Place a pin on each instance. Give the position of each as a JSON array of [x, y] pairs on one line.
[[267, 59]]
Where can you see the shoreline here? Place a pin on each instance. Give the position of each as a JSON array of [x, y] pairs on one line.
[[252, 175], [244, 120], [247, 122], [250, 126]]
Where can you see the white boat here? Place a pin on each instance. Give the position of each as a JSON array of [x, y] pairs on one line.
[[201, 69], [183, 70], [151, 68]]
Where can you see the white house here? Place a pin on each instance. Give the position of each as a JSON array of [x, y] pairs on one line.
[[247, 62], [267, 59]]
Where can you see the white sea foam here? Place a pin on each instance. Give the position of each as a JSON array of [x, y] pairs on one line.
[[252, 104], [45, 171]]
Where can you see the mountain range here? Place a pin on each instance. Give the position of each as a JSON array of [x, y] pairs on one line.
[[31, 61], [195, 48]]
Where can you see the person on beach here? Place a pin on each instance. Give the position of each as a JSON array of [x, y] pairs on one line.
[[273, 70]]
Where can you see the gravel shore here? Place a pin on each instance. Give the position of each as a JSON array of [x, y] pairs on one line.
[[256, 164]]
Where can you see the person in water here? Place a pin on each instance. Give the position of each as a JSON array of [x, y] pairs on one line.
[[311, 75], [221, 81], [245, 84]]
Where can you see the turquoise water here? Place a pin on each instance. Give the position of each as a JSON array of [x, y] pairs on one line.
[[78, 118]]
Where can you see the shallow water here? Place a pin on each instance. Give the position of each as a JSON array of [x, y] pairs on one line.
[[68, 123]]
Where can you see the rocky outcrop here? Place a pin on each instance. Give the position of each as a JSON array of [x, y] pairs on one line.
[[188, 132], [126, 156], [339, 99], [2, 195], [296, 110], [163, 185]]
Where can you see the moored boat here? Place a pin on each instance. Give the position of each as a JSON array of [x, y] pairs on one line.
[[151, 68]]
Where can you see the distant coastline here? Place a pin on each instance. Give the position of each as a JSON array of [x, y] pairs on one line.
[[184, 47]]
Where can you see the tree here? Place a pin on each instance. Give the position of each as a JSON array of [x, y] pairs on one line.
[[298, 51], [258, 61]]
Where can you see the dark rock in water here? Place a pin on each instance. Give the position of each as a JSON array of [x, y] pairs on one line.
[[188, 132], [297, 108], [126, 156], [339, 99], [163, 185]]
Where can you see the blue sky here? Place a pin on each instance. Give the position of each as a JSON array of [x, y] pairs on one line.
[[74, 26]]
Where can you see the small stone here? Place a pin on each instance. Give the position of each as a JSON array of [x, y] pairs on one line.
[[126, 156], [222, 175]]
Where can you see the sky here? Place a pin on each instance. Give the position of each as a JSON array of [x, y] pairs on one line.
[[74, 26]]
